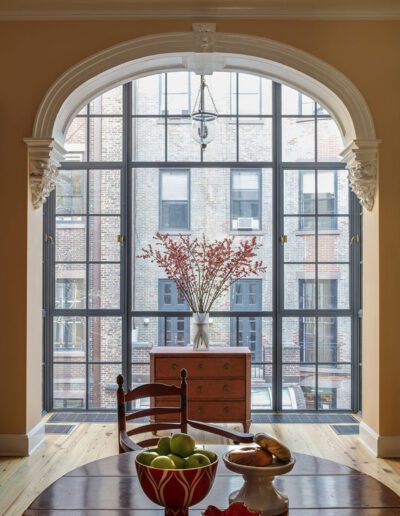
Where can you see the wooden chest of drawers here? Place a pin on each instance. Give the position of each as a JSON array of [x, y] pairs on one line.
[[219, 386]]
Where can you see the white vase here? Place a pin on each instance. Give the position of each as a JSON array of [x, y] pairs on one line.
[[200, 337]]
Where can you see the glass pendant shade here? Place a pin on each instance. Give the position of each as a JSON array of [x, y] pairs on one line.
[[203, 129], [204, 119]]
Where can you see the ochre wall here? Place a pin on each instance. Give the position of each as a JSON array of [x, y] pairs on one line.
[[34, 54]]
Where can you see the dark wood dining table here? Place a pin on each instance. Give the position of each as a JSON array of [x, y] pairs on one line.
[[315, 486]]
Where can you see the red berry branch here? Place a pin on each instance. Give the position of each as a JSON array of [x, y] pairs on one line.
[[203, 270]]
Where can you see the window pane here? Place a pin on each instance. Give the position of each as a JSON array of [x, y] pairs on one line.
[[245, 200], [104, 285], [255, 95], [340, 274], [340, 341], [104, 191], [174, 186], [300, 245], [298, 281], [223, 146], [298, 139], [343, 192], [327, 294], [71, 192], [181, 145], [148, 139], [333, 239], [298, 339], [105, 339], [326, 185], [245, 180], [70, 239], [329, 143], [255, 139], [296, 103], [69, 339], [103, 239], [103, 385], [146, 95], [76, 140], [174, 215], [179, 98], [110, 103], [70, 286], [105, 139], [298, 389], [334, 387], [299, 192], [223, 89], [69, 384]]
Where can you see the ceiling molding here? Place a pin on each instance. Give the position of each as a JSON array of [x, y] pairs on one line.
[[349, 12]]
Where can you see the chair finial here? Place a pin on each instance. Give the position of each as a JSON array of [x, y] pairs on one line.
[[120, 380], [183, 373]]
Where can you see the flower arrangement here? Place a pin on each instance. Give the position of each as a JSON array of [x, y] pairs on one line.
[[203, 270]]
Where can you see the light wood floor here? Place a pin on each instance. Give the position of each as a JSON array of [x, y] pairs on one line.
[[22, 479]]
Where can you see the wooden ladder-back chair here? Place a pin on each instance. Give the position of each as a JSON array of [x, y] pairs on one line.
[[152, 390]]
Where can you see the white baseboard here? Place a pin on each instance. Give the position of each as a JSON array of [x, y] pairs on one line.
[[22, 445], [383, 446]]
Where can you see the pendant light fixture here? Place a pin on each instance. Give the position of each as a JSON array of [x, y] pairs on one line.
[[204, 115]]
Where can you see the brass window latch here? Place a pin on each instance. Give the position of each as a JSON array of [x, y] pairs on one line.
[[121, 239], [355, 239], [48, 238], [283, 239]]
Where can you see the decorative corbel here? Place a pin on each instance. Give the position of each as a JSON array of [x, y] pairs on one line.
[[203, 60], [204, 36], [44, 157], [361, 157]]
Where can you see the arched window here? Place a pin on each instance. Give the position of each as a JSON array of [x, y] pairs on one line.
[[273, 170]]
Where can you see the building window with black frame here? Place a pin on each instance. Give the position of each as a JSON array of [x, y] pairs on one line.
[[245, 200], [174, 200]]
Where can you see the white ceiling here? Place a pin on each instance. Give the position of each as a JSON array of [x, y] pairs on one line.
[[205, 9]]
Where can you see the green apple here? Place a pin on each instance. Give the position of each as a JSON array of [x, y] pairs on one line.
[[163, 446], [182, 445], [197, 460], [178, 461], [146, 457], [162, 463], [208, 453]]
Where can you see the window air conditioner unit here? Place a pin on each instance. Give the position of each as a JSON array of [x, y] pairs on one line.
[[245, 223]]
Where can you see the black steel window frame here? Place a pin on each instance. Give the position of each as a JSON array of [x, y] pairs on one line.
[[128, 310]]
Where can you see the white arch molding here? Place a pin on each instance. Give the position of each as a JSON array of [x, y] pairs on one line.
[[202, 47]]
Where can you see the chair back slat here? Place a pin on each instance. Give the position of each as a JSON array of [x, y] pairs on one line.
[[153, 411], [154, 427], [147, 443], [152, 390]]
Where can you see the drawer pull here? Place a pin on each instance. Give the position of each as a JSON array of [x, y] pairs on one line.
[[200, 409], [227, 365], [226, 410], [199, 388], [174, 366], [225, 388], [200, 366]]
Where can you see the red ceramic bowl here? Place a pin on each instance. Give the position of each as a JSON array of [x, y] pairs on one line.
[[176, 489]]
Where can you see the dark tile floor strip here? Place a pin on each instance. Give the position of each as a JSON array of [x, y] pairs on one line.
[[346, 429], [59, 429], [95, 417]]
